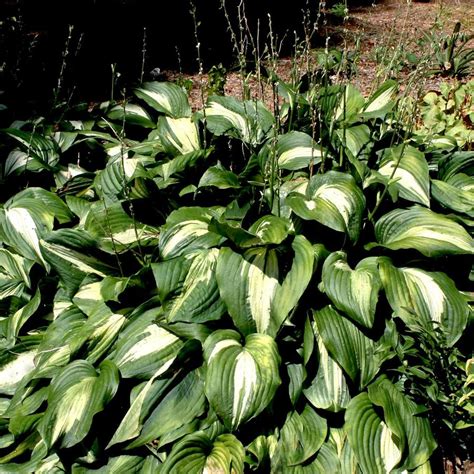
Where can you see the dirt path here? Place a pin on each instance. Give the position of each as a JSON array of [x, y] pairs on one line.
[[382, 37]]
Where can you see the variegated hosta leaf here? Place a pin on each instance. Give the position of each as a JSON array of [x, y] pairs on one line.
[[300, 438], [407, 169], [12, 325], [187, 229], [38, 152], [329, 389], [375, 446], [241, 380], [165, 97], [144, 350], [199, 300], [350, 104], [76, 394], [250, 288], [113, 181], [297, 150], [178, 136], [132, 114], [338, 439], [220, 178], [425, 298], [20, 230], [198, 454], [348, 346], [418, 228], [413, 433], [247, 120], [457, 193], [14, 274], [334, 200], [326, 460], [381, 101], [115, 230], [147, 420], [353, 291], [13, 367]]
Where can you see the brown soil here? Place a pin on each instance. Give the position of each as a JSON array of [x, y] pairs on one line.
[[381, 32]]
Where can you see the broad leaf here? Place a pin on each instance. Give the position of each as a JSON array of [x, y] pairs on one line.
[[132, 114], [334, 200], [297, 150], [418, 228], [423, 298], [14, 274], [178, 136], [165, 97], [348, 346], [329, 389], [407, 170], [457, 193], [186, 230], [301, 437], [353, 291], [250, 288], [241, 380], [248, 120], [76, 394], [197, 454]]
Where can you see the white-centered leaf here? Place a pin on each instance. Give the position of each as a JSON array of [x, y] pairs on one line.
[[418, 228], [187, 229], [407, 167], [241, 380], [329, 389], [334, 200], [76, 394], [250, 288], [178, 136], [297, 150], [425, 298], [165, 97]]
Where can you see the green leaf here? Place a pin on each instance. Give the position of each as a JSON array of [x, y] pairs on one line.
[[423, 298], [297, 150], [199, 300], [301, 437], [374, 444], [348, 346], [14, 274], [76, 394], [329, 389], [218, 177], [132, 114], [249, 121], [353, 291], [115, 230], [334, 200], [13, 369], [187, 229], [197, 454], [178, 136], [165, 97], [381, 101], [241, 380], [144, 350], [418, 228], [407, 168], [457, 193], [16, 321], [179, 406], [39, 152], [249, 286]]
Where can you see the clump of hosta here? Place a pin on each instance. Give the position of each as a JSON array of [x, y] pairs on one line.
[[222, 291]]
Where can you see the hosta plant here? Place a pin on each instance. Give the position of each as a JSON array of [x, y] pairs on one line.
[[231, 290]]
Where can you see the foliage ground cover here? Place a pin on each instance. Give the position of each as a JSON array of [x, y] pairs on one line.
[[239, 288]]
